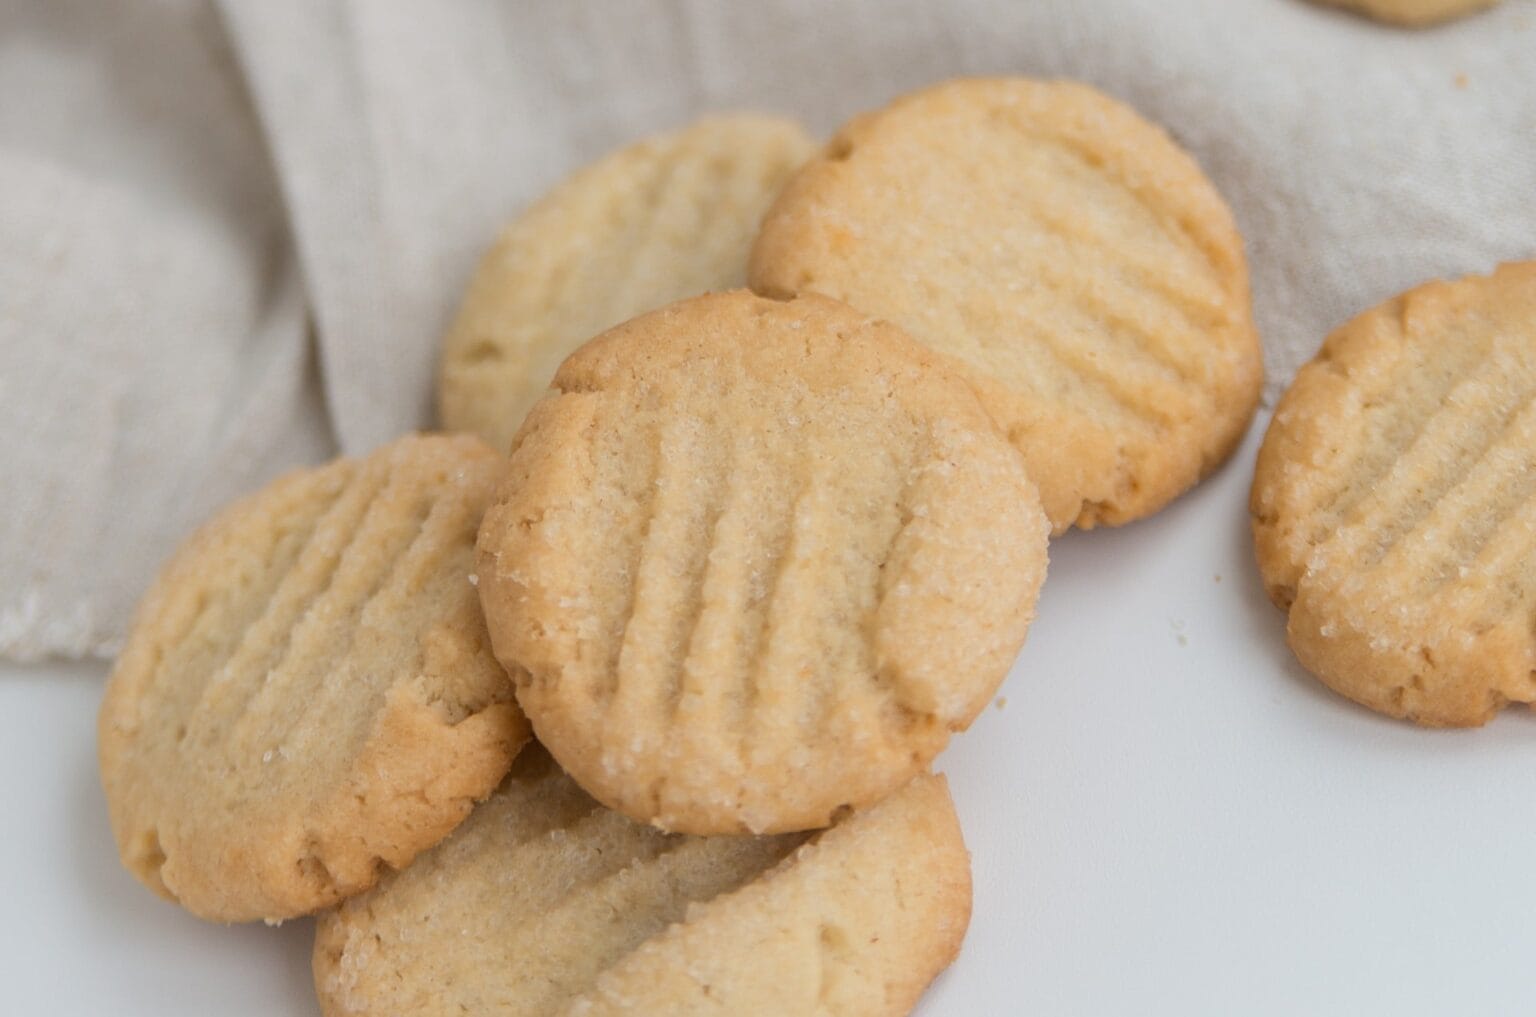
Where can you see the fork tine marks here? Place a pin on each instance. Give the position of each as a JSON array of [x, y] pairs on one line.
[[667, 573], [266, 643]]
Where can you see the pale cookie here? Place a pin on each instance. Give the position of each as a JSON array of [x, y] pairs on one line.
[[1394, 503], [308, 693], [667, 218], [754, 561], [1060, 250], [1413, 13], [546, 903]]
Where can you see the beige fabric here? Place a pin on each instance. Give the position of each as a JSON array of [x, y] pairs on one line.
[[183, 191]]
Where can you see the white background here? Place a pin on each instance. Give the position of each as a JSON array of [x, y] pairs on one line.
[[1167, 816]]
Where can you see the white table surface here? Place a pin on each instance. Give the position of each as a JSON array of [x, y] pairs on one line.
[[1167, 816]]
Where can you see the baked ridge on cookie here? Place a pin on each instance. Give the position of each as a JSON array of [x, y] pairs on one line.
[[1394, 502], [546, 903], [662, 219], [308, 694], [1060, 251], [754, 561]]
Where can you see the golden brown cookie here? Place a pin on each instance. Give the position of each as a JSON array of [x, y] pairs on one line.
[[667, 218], [1394, 503], [755, 560], [1062, 252], [308, 692], [1412, 13], [545, 903]]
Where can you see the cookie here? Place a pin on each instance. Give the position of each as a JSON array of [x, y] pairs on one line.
[[667, 218], [308, 693], [1413, 13], [545, 903], [1394, 502], [1064, 254], [754, 561]]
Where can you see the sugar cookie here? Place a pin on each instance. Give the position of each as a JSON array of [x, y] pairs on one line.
[[308, 692], [1061, 251], [666, 218], [755, 560], [545, 903], [1394, 502]]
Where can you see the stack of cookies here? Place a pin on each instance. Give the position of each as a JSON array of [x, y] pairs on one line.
[[741, 564]]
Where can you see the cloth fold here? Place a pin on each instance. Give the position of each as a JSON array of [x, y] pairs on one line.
[[231, 235]]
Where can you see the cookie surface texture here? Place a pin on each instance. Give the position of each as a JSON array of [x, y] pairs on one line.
[[1065, 254], [545, 903], [1413, 13], [667, 218], [308, 692], [754, 561], [1394, 502]]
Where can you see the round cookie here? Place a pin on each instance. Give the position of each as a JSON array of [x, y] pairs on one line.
[[1412, 13], [1061, 251], [308, 692], [1394, 502], [544, 903], [754, 561], [663, 219]]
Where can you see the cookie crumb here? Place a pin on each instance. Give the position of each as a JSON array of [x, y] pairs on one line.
[[1001, 702], [1461, 80]]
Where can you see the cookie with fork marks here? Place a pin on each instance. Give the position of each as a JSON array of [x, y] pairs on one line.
[[546, 904], [755, 561], [662, 219], [1062, 253], [1394, 502], [308, 694]]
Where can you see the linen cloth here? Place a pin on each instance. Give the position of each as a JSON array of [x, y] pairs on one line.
[[232, 234]]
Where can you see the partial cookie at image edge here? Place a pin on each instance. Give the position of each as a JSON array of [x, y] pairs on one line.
[[1394, 497], [1411, 13], [854, 921]]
